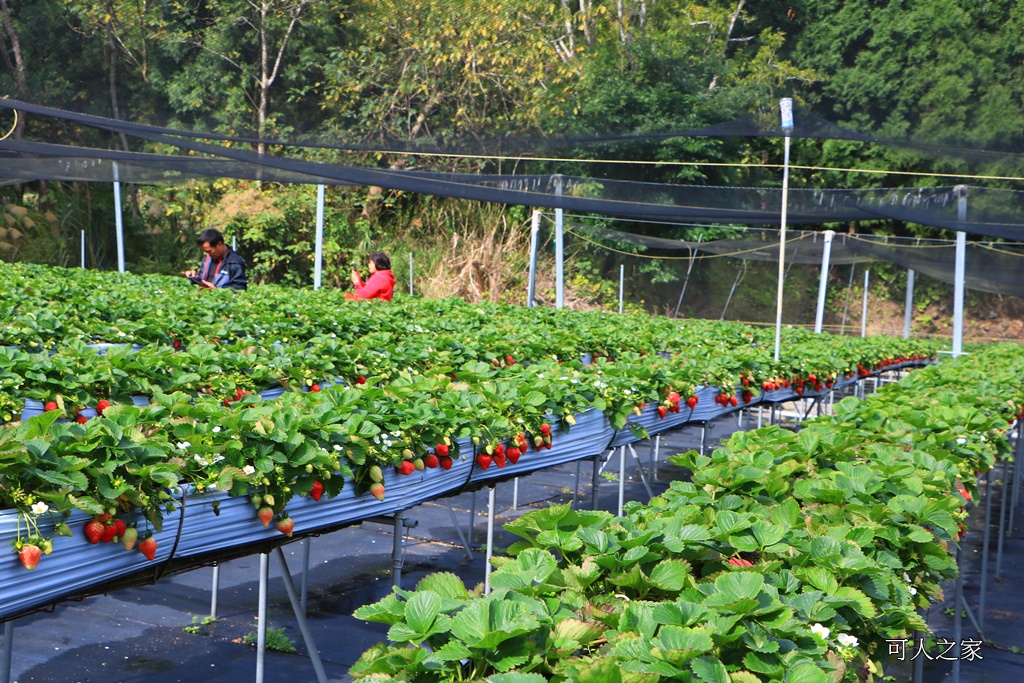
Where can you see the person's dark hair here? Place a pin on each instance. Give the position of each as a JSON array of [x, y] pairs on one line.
[[211, 235], [381, 260]]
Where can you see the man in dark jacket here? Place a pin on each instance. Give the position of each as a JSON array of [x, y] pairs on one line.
[[222, 267]]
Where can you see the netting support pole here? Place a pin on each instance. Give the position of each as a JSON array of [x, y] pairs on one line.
[[318, 258], [559, 250], [261, 618], [786, 110], [410, 274], [5, 668], [958, 281], [531, 291], [307, 545], [909, 305], [490, 540], [234, 243], [83, 249], [622, 286], [864, 306], [622, 479], [515, 491], [118, 221], [686, 281], [826, 254]]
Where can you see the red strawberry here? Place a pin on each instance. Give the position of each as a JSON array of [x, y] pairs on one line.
[[377, 490], [441, 450], [674, 397], [964, 492], [265, 514], [747, 397], [662, 411], [29, 555], [545, 429], [148, 548], [286, 526], [484, 460], [446, 463], [812, 378], [81, 419], [499, 459], [129, 537], [177, 343], [119, 528], [692, 402], [109, 532], [406, 467], [101, 406], [799, 390], [94, 530], [513, 455], [500, 448], [361, 379], [510, 360], [733, 401], [315, 388], [316, 491], [674, 408], [50, 405], [431, 461]]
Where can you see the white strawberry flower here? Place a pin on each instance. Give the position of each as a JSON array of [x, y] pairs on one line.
[[906, 577], [337, 447], [216, 430], [982, 437], [182, 445], [39, 508], [821, 631], [961, 441], [846, 640], [248, 469], [913, 591]]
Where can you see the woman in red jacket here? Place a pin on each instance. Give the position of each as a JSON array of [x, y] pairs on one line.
[[380, 284]]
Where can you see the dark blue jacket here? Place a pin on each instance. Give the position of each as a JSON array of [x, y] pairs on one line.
[[231, 272]]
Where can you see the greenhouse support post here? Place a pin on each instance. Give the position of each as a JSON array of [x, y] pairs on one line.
[[786, 110], [864, 306], [410, 273], [958, 280], [490, 540], [82, 243], [622, 285], [261, 618], [909, 305], [559, 250], [118, 221], [826, 254], [300, 617], [5, 667], [531, 292], [318, 258], [214, 591]]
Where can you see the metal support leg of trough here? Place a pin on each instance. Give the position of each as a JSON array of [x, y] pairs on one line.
[[810, 408], [1015, 498], [307, 634], [985, 548], [622, 479], [261, 617], [655, 453], [918, 661], [490, 540], [5, 668], [640, 471], [307, 544], [1002, 521], [760, 413], [958, 621], [771, 415], [397, 553], [575, 486], [214, 591], [595, 483], [472, 517], [515, 493], [458, 530], [703, 436]]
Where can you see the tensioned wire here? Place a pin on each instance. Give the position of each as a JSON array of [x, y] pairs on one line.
[[681, 258]]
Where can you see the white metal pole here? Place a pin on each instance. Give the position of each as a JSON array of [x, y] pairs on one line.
[[261, 625], [786, 110], [410, 273], [318, 258], [864, 307], [559, 250], [622, 285], [83, 248], [826, 254], [958, 283], [118, 221], [909, 304], [490, 540], [5, 667], [234, 243], [622, 479], [531, 291]]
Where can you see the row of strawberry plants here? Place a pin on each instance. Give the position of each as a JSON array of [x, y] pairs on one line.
[[787, 557]]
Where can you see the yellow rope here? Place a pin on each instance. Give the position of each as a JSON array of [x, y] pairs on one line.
[[12, 127], [684, 258]]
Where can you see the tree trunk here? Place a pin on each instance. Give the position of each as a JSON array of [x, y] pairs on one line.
[[115, 109], [19, 63]]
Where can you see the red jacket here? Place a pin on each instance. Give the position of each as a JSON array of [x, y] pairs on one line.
[[381, 285]]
